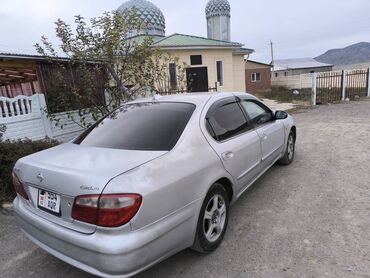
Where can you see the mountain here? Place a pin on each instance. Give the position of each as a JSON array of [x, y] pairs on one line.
[[353, 54]]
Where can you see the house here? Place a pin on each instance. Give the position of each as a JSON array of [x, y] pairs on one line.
[[18, 75], [27, 75], [257, 76], [289, 67], [209, 60]]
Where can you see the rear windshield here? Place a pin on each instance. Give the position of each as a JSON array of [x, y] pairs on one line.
[[140, 126]]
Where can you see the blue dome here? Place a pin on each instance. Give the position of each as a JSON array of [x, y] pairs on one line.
[[218, 8], [151, 16]]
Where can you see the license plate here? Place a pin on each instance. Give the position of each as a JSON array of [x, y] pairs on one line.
[[49, 202]]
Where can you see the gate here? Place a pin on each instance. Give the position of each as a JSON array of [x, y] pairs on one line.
[[357, 84], [329, 87], [336, 86]]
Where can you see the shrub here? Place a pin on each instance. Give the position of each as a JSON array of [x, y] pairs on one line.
[[10, 152], [284, 94], [2, 131]]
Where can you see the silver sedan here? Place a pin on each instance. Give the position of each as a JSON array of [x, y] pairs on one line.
[[154, 177]]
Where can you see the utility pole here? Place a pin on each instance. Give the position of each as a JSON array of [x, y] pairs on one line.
[[272, 55]]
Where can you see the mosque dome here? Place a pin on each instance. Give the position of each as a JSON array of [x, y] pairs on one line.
[[218, 8], [150, 14]]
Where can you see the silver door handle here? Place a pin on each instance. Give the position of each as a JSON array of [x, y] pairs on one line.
[[227, 155], [264, 137]]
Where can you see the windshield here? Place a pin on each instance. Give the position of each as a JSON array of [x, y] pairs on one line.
[[142, 126]]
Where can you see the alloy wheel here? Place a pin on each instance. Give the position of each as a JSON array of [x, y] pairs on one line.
[[214, 218]]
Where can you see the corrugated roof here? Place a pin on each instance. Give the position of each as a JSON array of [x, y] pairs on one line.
[[181, 40], [243, 51], [140, 38], [259, 63], [299, 63]]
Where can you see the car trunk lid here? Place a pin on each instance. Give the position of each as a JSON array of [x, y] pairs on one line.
[[71, 170]]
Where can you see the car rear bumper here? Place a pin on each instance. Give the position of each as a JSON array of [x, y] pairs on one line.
[[108, 254]]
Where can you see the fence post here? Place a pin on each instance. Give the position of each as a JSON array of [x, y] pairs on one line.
[[344, 84], [44, 115], [314, 88], [368, 82], [218, 87]]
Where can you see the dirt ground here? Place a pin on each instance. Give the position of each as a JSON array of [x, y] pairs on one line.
[[310, 219]]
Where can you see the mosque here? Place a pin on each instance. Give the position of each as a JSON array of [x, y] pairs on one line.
[[209, 60]]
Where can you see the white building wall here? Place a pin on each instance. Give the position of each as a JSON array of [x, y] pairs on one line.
[[302, 81], [26, 118]]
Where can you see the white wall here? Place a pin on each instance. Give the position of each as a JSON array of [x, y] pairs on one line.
[[26, 117], [301, 81]]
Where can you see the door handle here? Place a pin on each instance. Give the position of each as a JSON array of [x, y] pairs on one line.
[[264, 137], [227, 155]]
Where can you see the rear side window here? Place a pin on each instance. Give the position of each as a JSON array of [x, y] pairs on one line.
[[142, 126], [225, 119]]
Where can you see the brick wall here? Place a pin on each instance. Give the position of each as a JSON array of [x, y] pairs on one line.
[[259, 86]]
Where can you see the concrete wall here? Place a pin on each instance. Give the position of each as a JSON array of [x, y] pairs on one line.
[[292, 72], [233, 66], [302, 81], [23, 117], [238, 70], [26, 117]]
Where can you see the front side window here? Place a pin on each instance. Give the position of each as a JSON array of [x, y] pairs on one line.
[[142, 126], [225, 119], [257, 112]]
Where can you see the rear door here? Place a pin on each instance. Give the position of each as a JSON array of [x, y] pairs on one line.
[[234, 140], [271, 132]]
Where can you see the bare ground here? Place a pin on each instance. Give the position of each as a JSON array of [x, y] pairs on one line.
[[310, 219]]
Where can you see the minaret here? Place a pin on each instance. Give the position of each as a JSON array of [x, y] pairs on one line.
[[218, 20]]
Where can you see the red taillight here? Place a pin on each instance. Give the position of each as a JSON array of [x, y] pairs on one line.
[[111, 210], [18, 186]]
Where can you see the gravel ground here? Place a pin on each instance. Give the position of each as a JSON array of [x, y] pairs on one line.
[[310, 219]]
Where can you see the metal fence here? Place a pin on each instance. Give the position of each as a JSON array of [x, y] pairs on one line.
[[329, 87]]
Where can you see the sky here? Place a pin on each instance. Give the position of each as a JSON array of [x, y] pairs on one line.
[[297, 28]]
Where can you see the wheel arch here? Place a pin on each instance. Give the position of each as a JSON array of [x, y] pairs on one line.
[[294, 130], [227, 184]]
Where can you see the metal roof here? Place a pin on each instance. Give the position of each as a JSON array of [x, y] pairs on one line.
[[259, 63], [243, 51], [181, 40], [19, 56], [299, 63]]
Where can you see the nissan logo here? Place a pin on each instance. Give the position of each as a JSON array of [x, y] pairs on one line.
[[40, 177]]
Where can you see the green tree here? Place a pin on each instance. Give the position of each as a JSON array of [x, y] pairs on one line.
[[99, 65]]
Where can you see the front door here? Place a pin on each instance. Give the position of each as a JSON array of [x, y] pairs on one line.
[[271, 132], [197, 79]]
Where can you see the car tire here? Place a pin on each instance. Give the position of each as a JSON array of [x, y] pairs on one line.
[[212, 221], [290, 151]]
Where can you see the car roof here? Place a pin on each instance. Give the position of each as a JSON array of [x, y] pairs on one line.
[[195, 98]]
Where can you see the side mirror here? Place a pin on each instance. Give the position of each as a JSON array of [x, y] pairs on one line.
[[281, 115]]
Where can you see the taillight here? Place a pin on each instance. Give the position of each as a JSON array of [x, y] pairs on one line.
[[18, 186], [111, 210]]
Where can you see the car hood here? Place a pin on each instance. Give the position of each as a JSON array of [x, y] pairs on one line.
[[73, 170]]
